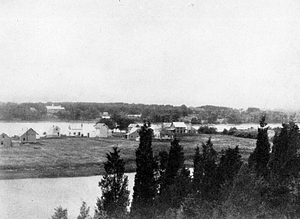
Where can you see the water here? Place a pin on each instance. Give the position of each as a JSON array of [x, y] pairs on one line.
[[37, 198]]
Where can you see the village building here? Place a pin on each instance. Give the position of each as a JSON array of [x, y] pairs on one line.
[[156, 131], [191, 129], [179, 127], [102, 130], [54, 131], [54, 109], [133, 134], [134, 125], [30, 136], [5, 140], [105, 115], [75, 130], [134, 116]]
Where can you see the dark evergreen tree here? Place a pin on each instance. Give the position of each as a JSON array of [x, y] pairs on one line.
[[230, 164], [145, 187], [176, 183], [284, 160], [261, 154], [114, 200], [198, 170]]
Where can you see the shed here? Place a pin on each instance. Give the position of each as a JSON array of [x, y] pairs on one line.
[[29, 136], [5, 140]]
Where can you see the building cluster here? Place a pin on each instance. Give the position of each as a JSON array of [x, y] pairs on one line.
[[100, 130]]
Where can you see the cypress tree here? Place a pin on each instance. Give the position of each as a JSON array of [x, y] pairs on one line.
[[261, 154], [176, 183], [114, 199], [145, 188], [284, 159], [230, 164], [198, 170], [210, 182]]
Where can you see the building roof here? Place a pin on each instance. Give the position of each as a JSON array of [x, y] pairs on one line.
[[4, 135], [99, 124], [55, 107], [134, 129], [179, 124], [31, 131], [76, 127]]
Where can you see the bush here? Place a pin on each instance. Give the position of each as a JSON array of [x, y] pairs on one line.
[[207, 130]]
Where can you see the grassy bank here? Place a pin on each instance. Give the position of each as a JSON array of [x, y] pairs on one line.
[[71, 157]]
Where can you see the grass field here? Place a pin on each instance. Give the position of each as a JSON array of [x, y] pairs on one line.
[[68, 157]]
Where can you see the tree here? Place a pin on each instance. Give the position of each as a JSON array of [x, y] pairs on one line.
[[261, 154], [176, 183], [198, 170], [284, 160], [145, 188], [230, 164], [114, 200], [60, 213], [84, 212]]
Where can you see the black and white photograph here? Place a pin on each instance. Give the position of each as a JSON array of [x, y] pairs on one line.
[[161, 109]]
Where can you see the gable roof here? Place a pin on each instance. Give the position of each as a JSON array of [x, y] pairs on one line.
[[179, 124], [98, 125], [3, 135], [30, 130], [134, 129]]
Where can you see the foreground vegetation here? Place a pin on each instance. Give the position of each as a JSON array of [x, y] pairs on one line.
[[222, 186], [68, 157]]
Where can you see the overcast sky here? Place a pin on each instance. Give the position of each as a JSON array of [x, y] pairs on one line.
[[235, 53]]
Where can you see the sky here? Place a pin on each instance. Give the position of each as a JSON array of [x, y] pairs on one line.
[[235, 53]]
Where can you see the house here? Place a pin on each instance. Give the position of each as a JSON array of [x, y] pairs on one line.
[[105, 115], [191, 129], [179, 127], [54, 109], [5, 140], [75, 130], [29, 136], [133, 134], [54, 131], [102, 130], [156, 130], [134, 116], [134, 125]]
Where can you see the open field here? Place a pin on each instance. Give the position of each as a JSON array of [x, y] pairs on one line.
[[68, 157]]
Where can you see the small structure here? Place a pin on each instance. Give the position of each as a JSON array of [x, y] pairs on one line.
[[54, 131], [134, 125], [133, 134], [105, 115], [156, 131], [29, 136], [5, 140], [179, 127], [134, 116], [102, 130], [76, 130], [54, 109]]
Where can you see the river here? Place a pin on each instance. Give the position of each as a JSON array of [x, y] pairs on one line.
[[37, 198]]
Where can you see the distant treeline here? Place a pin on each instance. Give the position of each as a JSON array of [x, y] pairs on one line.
[[154, 113]]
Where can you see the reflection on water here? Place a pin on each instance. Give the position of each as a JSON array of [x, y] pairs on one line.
[[37, 198]]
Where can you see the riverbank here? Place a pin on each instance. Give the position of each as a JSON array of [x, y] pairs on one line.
[[75, 157]]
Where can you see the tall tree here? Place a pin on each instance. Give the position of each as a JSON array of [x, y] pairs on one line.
[[285, 151], [210, 182], [176, 183], [198, 170], [261, 154], [114, 199], [230, 164], [145, 188]]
